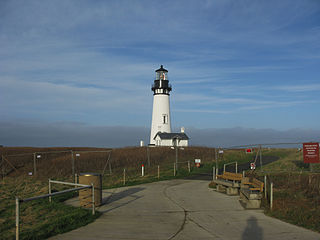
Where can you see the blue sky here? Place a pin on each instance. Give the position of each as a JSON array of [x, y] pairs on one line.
[[247, 64]]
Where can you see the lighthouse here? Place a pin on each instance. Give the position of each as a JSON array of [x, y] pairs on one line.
[[161, 104]]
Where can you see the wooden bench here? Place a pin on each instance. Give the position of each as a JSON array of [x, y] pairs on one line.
[[229, 176], [228, 182], [251, 192]]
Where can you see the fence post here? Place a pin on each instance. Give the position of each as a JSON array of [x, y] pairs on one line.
[[189, 166], [236, 167], [177, 157], [72, 161], [224, 168], [50, 191], [174, 169], [148, 156], [311, 168], [243, 173], [260, 157], [75, 178], [265, 186], [34, 164], [158, 171], [213, 173], [107, 162], [271, 195], [216, 158], [217, 173], [17, 218], [2, 166], [124, 176], [93, 200], [110, 170]]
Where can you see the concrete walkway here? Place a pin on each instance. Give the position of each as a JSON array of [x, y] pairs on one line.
[[181, 209]]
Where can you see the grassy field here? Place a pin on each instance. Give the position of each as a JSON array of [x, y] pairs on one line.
[[296, 189], [296, 193], [41, 219], [296, 199]]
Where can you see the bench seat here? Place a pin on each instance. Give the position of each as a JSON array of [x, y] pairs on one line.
[[228, 182]]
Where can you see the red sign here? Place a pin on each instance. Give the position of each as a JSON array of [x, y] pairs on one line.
[[248, 150], [311, 152]]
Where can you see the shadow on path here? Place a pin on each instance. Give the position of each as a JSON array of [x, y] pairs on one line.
[[253, 230], [120, 195]]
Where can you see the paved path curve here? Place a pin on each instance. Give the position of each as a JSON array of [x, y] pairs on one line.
[[181, 209]]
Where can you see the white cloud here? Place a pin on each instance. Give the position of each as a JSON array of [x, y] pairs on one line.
[[299, 88]]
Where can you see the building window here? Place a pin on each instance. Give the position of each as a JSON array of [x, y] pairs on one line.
[[165, 119]]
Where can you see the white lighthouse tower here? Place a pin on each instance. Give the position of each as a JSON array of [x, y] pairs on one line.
[[161, 104]]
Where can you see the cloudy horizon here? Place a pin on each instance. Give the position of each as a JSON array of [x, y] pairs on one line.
[[75, 134]]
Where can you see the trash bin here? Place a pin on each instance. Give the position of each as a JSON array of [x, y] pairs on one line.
[[85, 196]]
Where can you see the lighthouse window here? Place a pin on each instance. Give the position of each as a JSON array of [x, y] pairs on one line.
[[165, 118]]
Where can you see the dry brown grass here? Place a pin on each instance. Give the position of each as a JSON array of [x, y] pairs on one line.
[[54, 164], [297, 199]]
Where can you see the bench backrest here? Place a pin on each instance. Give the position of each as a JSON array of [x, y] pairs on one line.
[[254, 183], [257, 184], [231, 176]]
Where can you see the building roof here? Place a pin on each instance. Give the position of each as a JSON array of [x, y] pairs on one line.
[[165, 135], [161, 69]]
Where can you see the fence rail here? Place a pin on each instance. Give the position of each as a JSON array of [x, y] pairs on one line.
[[81, 186], [226, 164]]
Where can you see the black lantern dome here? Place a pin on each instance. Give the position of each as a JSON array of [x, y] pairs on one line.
[[161, 83]]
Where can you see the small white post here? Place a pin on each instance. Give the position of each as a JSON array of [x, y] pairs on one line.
[[224, 168], [265, 186], [34, 164], [213, 173], [124, 176], [236, 167], [93, 200], [217, 172], [158, 172], [189, 166], [17, 218], [49, 190], [174, 169], [142, 170], [271, 195], [75, 178], [243, 173]]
